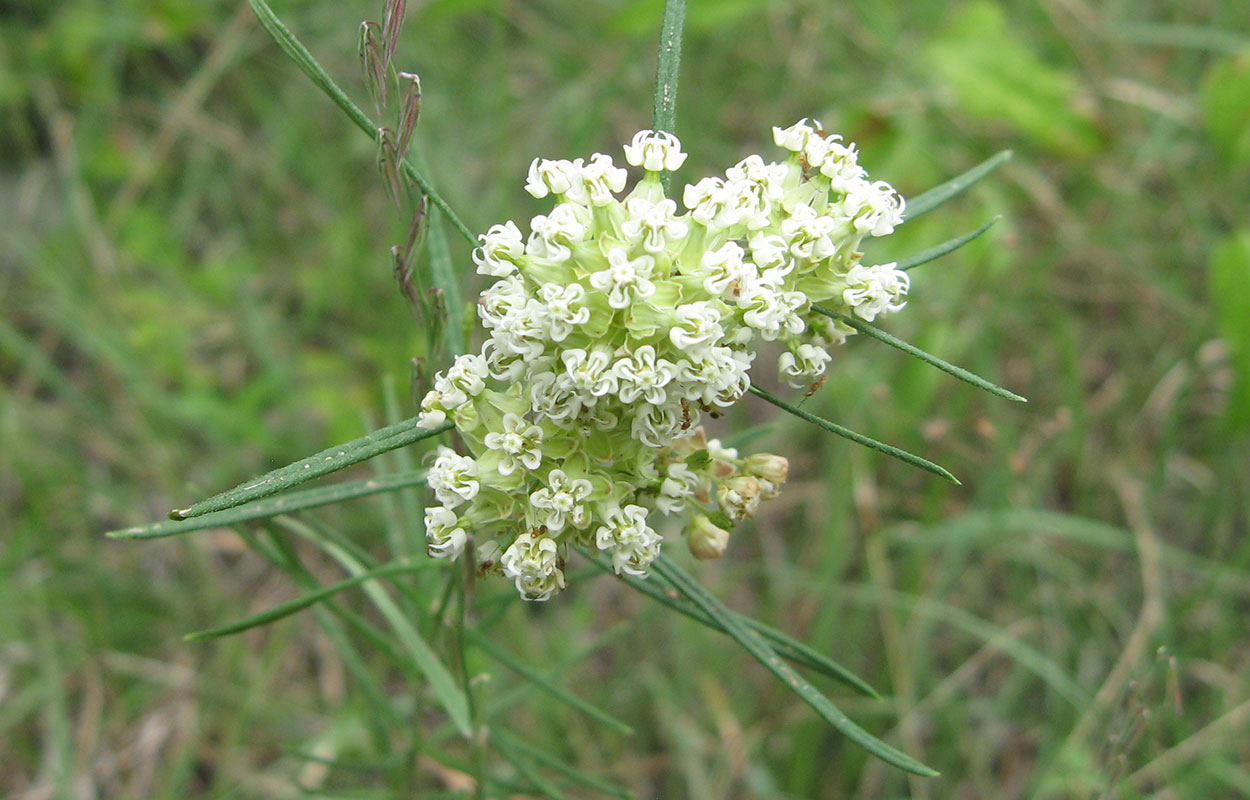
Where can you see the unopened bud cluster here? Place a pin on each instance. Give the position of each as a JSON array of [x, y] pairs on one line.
[[617, 321]]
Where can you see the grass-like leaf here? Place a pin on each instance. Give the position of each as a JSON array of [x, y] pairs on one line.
[[542, 682], [330, 460], [300, 603], [786, 646], [442, 684], [292, 46], [949, 246], [978, 527], [280, 552], [1020, 651], [443, 271], [526, 769], [754, 644], [858, 438], [926, 202], [287, 504], [567, 770], [928, 358], [667, 71]]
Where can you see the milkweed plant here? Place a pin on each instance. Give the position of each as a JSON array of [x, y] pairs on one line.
[[616, 323]]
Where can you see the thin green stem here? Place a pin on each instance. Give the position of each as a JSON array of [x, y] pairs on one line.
[[923, 203], [292, 46], [299, 604], [858, 438], [897, 343], [785, 646], [464, 580], [948, 246], [667, 72], [755, 645]]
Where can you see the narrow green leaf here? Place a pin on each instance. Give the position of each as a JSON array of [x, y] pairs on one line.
[[380, 640], [323, 463], [442, 684], [300, 603], [949, 246], [911, 349], [858, 438], [292, 46], [974, 527], [754, 644], [527, 771], [1020, 651], [560, 766], [1228, 275], [287, 504], [544, 683], [382, 711], [785, 645], [1200, 37], [443, 272], [667, 71], [926, 202]]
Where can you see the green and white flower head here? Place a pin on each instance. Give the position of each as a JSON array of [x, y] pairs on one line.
[[617, 321]]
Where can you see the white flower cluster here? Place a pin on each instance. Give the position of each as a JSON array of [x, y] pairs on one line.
[[617, 322]]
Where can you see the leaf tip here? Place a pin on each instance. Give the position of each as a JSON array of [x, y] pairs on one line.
[[179, 514]]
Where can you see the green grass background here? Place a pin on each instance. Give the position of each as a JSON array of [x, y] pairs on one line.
[[195, 286]]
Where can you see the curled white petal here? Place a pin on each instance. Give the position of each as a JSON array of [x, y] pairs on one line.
[[654, 151]]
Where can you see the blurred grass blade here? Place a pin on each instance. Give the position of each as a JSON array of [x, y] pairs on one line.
[[926, 202], [330, 460], [443, 273], [1228, 273], [383, 712], [759, 649], [287, 504], [525, 769], [1020, 651], [442, 684], [858, 438], [301, 603], [784, 645], [893, 341], [667, 71], [949, 246], [544, 683], [558, 765], [286, 40], [1201, 37], [978, 527]]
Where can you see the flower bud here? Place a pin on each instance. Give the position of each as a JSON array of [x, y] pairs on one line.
[[488, 555], [705, 539], [739, 497], [692, 442], [774, 469]]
